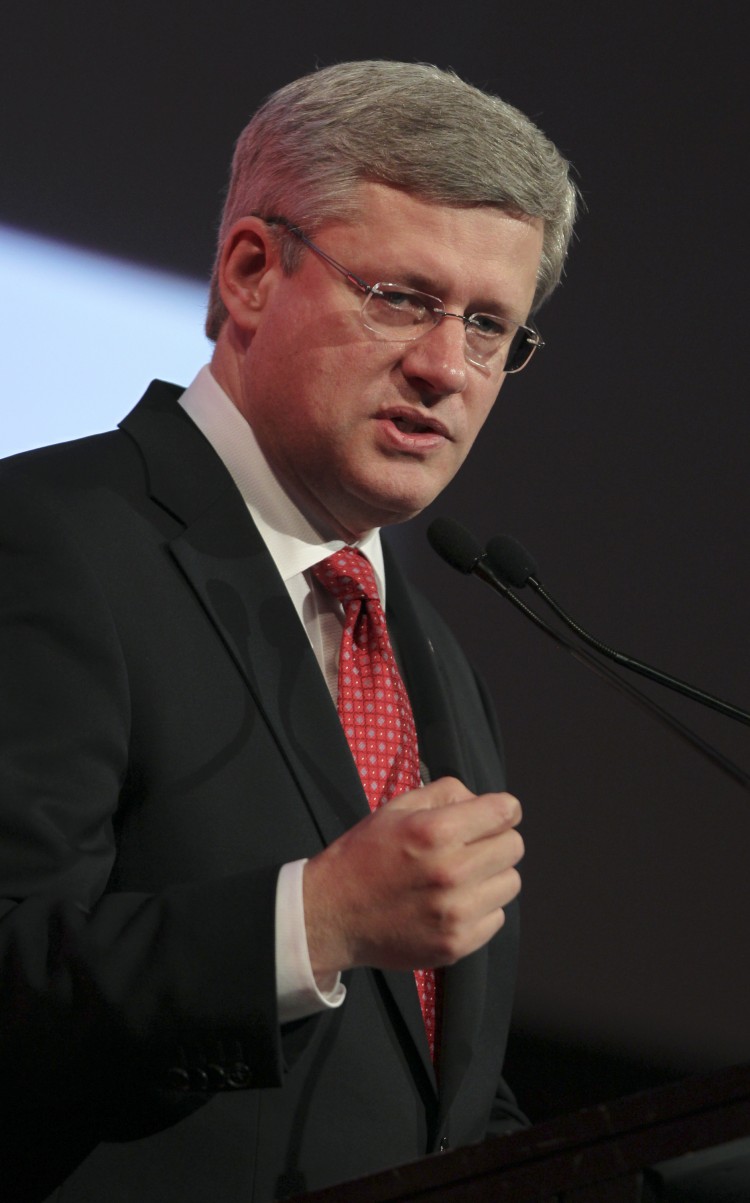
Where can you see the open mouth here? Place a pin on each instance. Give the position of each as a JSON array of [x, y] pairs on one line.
[[408, 426], [411, 424]]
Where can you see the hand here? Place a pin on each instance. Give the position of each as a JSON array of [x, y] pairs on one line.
[[420, 883]]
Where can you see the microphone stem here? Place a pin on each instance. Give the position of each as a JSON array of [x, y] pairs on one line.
[[689, 691], [482, 569]]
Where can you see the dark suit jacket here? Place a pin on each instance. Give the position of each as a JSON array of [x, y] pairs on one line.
[[168, 742]]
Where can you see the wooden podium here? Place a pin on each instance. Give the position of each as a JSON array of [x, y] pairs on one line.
[[597, 1155]]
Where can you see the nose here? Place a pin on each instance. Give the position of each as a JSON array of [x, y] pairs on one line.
[[437, 359]]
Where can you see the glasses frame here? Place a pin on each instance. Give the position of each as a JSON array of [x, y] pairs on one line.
[[533, 339]]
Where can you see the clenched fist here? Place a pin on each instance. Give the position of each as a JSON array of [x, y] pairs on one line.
[[421, 882]]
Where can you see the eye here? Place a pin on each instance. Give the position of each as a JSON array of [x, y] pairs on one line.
[[398, 298], [399, 306], [490, 326]]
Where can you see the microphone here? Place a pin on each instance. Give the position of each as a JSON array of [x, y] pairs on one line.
[[511, 560], [459, 548], [455, 544], [514, 566]]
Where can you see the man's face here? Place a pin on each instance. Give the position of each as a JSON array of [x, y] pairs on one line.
[[361, 431]]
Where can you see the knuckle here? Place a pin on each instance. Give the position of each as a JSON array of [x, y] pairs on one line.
[[509, 808], [445, 918], [443, 876], [437, 914], [417, 828], [513, 884], [448, 950], [452, 784], [431, 829], [443, 824], [518, 848]]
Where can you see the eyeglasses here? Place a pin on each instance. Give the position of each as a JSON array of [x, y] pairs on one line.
[[403, 314]]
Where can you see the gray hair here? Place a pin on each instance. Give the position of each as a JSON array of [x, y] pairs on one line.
[[409, 125]]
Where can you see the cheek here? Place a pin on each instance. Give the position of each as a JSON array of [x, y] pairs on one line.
[[320, 409], [339, 386]]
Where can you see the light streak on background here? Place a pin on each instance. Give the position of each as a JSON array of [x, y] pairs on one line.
[[82, 335]]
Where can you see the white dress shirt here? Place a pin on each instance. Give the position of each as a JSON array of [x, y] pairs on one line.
[[295, 546]]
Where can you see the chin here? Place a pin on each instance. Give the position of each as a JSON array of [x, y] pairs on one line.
[[384, 496], [392, 511]]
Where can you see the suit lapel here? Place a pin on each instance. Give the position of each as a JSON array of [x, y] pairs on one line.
[[227, 564], [441, 751]]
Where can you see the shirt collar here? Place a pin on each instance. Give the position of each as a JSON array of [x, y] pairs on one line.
[[294, 543]]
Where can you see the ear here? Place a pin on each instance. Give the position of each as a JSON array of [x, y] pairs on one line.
[[248, 266]]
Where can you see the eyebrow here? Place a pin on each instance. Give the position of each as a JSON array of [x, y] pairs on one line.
[[422, 283]]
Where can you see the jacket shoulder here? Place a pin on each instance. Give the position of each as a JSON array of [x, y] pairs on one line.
[[94, 455]]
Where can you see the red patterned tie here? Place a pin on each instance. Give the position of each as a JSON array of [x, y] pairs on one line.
[[374, 707]]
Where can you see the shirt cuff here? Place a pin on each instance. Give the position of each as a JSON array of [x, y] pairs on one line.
[[296, 989]]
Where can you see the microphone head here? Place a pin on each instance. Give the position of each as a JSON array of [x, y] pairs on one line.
[[455, 544], [510, 561]]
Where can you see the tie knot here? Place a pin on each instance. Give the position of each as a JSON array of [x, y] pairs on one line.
[[348, 575]]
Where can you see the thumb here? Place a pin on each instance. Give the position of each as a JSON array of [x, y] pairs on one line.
[[443, 792]]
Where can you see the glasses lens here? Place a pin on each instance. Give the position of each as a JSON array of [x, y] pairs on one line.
[[398, 312], [519, 351], [523, 346], [486, 335]]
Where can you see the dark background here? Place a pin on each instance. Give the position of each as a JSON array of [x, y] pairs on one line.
[[619, 458]]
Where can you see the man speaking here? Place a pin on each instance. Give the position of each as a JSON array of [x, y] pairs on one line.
[[257, 868]]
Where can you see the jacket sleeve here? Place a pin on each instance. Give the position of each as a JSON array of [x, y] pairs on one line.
[[506, 1115], [175, 987]]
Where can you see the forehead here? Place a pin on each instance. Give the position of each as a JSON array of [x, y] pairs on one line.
[[476, 252]]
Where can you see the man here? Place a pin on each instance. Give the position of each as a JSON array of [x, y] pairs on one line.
[[232, 967]]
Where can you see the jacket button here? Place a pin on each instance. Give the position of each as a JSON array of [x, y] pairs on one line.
[[444, 1145], [199, 1079], [178, 1078], [216, 1076], [238, 1075]]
